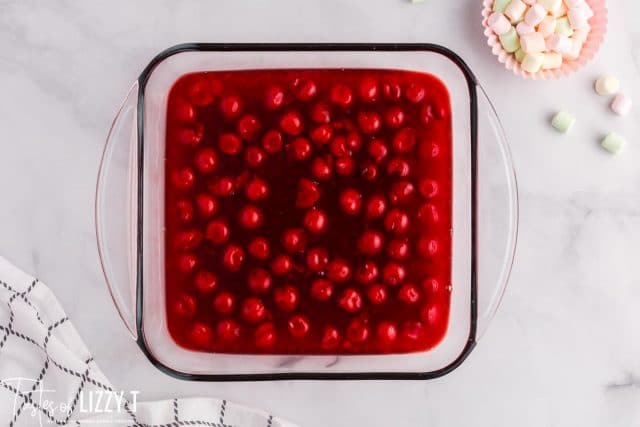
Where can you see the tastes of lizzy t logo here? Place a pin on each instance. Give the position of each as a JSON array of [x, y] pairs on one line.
[[48, 406]]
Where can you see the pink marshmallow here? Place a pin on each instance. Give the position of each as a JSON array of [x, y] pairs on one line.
[[532, 43], [535, 15], [578, 18], [558, 43], [523, 28], [621, 104], [547, 26], [499, 23], [573, 3]]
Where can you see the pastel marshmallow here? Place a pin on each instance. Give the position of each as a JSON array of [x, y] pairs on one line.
[[515, 10], [530, 2], [535, 15], [573, 3], [498, 23], [563, 121], [547, 26], [532, 43], [523, 28], [558, 43], [500, 5], [613, 143], [578, 18], [574, 51], [510, 40], [552, 61], [580, 35], [520, 54], [563, 26], [562, 11], [552, 6], [587, 10], [607, 85], [532, 62], [621, 104]]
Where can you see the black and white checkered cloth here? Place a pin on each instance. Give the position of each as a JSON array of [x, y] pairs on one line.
[[48, 377]]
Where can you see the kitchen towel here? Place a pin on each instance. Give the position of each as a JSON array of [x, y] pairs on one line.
[[48, 377]]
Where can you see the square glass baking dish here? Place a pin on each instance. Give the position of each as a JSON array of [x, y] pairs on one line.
[[130, 211]]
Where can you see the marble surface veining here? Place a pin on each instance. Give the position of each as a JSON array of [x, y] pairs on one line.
[[564, 348]]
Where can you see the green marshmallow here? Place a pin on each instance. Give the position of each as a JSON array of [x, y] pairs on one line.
[[613, 143], [510, 40], [520, 54], [563, 121], [563, 27], [500, 5]]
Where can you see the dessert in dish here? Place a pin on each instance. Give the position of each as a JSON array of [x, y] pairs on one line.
[[308, 211]]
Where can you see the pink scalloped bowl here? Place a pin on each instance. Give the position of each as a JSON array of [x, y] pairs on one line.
[[598, 30]]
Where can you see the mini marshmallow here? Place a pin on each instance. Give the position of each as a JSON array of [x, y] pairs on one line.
[[621, 104], [515, 10], [563, 121], [613, 143], [552, 61], [520, 54], [574, 51], [552, 6], [535, 15], [532, 43], [587, 10], [530, 2], [510, 40], [498, 23], [500, 5], [558, 43], [573, 3], [607, 85], [532, 62], [547, 26], [562, 11], [563, 27], [580, 35], [578, 18], [523, 28]]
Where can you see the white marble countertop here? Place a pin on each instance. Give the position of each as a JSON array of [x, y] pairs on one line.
[[564, 349]]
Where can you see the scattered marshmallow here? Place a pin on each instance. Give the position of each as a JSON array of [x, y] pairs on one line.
[[621, 104], [535, 15], [532, 62], [499, 23], [532, 43], [515, 11], [613, 143], [607, 85], [563, 121], [547, 26], [523, 28], [510, 40]]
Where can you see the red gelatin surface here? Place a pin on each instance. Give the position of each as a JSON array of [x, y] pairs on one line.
[[324, 171]]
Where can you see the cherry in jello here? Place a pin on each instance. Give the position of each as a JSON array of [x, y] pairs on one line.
[[308, 211]]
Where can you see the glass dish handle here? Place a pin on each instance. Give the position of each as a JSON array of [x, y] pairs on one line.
[[116, 210], [497, 212]]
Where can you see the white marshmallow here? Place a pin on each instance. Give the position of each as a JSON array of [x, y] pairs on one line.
[[547, 26], [558, 43], [515, 10], [498, 23], [523, 28], [587, 9], [552, 6], [573, 52], [535, 15], [551, 61], [573, 3], [621, 104], [562, 11], [578, 18], [607, 85], [532, 43], [580, 35]]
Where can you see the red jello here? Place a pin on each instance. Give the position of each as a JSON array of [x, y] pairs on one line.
[[308, 211]]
